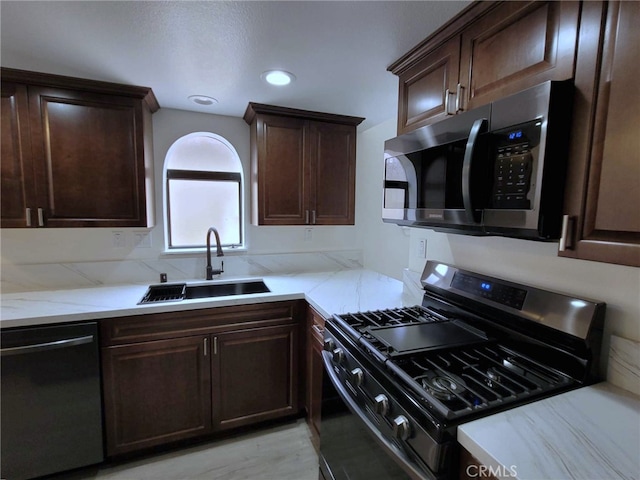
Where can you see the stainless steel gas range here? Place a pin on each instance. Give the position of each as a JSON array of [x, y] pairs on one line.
[[405, 378]]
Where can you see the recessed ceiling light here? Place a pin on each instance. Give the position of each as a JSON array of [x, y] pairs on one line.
[[278, 77], [202, 100]]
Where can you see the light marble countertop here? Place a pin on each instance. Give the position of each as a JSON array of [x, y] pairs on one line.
[[328, 292], [588, 433]]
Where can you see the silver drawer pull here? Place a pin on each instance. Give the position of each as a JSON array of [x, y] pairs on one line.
[[318, 329]]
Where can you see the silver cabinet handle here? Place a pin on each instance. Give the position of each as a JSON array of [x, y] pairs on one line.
[[215, 345], [41, 347], [566, 239], [306, 217], [318, 329], [27, 215], [447, 94], [206, 343], [40, 217], [459, 98], [313, 217]]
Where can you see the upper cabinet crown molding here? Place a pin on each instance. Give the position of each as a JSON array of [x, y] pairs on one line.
[[256, 108], [94, 86], [447, 31]]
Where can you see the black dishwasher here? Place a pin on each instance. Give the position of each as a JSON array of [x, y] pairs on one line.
[[50, 400]]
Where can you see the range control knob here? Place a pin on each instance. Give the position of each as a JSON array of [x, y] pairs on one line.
[[329, 345], [357, 376], [338, 355], [401, 427], [381, 404]]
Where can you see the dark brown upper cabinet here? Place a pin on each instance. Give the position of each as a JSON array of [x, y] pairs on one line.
[[490, 50], [303, 166], [75, 153], [602, 197]]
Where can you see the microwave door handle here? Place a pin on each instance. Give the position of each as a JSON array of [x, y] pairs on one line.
[[479, 126]]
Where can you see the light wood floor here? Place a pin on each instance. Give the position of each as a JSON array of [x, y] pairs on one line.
[[283, 452]]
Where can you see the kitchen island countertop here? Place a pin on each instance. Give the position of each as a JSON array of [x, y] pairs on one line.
[[328, 292]]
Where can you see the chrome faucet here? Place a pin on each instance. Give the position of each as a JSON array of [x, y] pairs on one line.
[[210, 271]]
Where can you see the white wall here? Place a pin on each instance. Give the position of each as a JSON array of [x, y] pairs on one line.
[[385, 246]]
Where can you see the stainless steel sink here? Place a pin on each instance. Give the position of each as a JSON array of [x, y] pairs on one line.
[[224, 289], [182, 291]]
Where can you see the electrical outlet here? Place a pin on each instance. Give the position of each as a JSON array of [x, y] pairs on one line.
[[142, 239], [422, 248], [308, 234], [119, 239]]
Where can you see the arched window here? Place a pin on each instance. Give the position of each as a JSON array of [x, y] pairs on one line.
[[203, 188]]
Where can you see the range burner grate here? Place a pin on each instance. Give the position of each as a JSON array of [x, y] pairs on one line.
[[464, 380], [391, 317]]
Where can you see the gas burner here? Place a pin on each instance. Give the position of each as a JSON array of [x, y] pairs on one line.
[[493, 375], [444, 386]]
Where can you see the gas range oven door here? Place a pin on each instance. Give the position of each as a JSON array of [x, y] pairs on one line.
[[352, 445]]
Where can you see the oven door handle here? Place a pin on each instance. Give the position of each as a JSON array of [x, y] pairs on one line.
[[394, 451], [479, 126]]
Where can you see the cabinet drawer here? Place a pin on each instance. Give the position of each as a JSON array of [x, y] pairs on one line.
[[141, 328]]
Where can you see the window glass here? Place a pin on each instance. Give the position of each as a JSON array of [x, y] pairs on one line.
[[203, 188]]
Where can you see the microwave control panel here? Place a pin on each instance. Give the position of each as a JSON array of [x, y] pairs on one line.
[[514, 164]]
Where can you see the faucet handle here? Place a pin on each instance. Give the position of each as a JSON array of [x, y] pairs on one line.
[[211, 272]]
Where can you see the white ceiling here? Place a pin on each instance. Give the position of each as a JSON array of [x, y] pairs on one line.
[[338, 50]]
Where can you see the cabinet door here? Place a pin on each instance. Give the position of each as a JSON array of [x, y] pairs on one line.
[[16, 176], [89, 152], [332, 180], [255, 376], [315, 371], [282, 171], [603, 193], [428, 88], [156, 392], [515, 46]]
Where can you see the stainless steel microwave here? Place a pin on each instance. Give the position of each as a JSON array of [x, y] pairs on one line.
[[498, 169]]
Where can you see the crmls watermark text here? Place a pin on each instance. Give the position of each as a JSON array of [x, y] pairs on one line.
[[474, 471]]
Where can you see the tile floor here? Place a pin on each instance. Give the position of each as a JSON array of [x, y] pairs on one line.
[[282, 452]]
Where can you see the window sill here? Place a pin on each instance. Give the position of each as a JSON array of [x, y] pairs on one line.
[[203, 250]]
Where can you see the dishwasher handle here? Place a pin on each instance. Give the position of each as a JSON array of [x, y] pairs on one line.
[[41, 347]]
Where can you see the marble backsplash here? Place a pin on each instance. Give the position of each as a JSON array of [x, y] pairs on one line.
[[53, 276], [624, 364]]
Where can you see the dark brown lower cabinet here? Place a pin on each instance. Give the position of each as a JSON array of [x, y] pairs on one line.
[[174, 376], [315, 369], [156, 392], [254, 374]]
